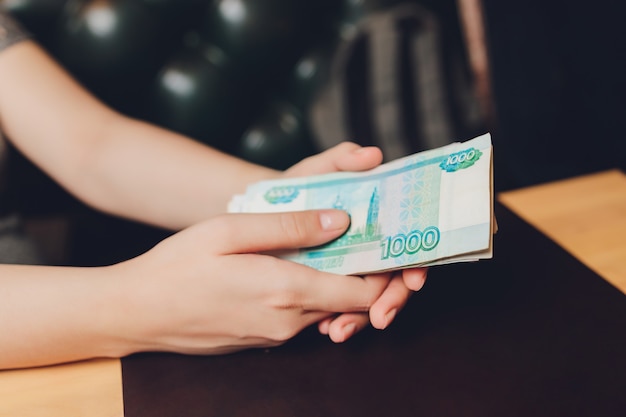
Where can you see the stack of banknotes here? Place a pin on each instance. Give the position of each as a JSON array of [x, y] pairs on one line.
[[431, 208]]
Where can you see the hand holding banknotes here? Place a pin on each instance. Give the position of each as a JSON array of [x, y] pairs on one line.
[[229, 296], [222, 296], [207, 289], [430, 208], [350, 157]]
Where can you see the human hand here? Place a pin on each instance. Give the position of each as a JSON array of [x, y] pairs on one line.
[[400, 286], [348, 156], [210, 289]]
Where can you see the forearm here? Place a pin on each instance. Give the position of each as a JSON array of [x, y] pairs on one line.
[[116, 164], [56, 314], [149, 174]]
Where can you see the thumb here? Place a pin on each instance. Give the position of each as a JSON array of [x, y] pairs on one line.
[[245, 233], [346, 156]]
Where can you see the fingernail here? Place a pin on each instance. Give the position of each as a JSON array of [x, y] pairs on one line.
[[389, 317], [333, 220], [348, 331], [323, 327]]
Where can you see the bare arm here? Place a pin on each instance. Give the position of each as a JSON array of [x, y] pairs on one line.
[[174, 297], [116, 164], [204, 290], [58, 314]]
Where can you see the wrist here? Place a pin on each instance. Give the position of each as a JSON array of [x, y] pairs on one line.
[[121, 325], [60, 314]]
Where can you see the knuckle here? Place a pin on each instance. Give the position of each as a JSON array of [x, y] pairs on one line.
[[272, 343], [284, 297], [220, 226], [372, 296], [294, 227], [220, 230], [346, 146], [285, 333], [369, 301]]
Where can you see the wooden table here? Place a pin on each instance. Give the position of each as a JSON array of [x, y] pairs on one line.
[[585, 215], [91, 388]]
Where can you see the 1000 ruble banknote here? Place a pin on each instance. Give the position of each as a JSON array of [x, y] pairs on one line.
[[430, 208]]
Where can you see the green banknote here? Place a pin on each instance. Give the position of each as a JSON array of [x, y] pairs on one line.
[[430, 208]]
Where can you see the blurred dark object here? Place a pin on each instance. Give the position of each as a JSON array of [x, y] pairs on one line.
[[196, 94], [278, 136], [265, 38], [398, 77]]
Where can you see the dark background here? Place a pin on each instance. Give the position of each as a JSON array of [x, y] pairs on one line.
[[558, 76], [557, 80]]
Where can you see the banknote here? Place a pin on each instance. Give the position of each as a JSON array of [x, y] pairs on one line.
[[430, 208]]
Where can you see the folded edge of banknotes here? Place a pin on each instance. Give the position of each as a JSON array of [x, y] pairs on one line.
[[430, 208]]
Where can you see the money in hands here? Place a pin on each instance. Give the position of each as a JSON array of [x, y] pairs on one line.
[[431, 208]]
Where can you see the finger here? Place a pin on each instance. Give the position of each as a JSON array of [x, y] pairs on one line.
[[324, 325], [292, 285], [249, 233], [341, 293], [391, 301], [346, 156], [359, 159], [414, 278], [347, 325]]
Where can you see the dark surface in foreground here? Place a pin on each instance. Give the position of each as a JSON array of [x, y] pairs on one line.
[[531, 332]]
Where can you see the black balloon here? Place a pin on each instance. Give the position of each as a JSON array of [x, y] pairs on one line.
[[178, 13], [109, 38], [266, 37], [197, 95], [310, 74], [279, 138]]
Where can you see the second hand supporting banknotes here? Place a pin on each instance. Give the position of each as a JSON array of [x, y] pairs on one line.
[[430, 208]]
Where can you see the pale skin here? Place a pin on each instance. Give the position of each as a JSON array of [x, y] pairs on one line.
[[205, 289]]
